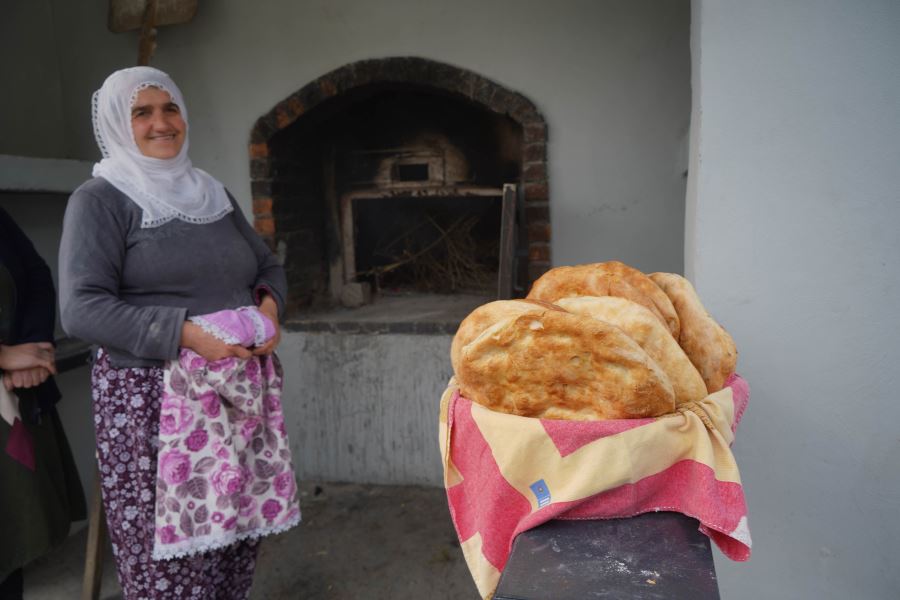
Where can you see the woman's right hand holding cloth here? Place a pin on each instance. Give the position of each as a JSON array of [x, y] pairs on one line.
[[209, 346]]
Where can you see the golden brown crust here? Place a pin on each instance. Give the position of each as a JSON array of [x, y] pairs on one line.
[[611, 278], [557, 365], [644, 328], [486, 315], [705, 342]]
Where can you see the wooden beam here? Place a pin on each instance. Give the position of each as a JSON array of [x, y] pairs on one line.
[[430, 191], [147, 43], [507, 243]]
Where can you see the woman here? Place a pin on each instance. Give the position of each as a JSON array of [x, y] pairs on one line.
[[147, 243], [40, 493]]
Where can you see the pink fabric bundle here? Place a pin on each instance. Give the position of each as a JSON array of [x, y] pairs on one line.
[[224, 471]]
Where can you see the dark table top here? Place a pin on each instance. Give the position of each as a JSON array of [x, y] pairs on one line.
[[655, 555]]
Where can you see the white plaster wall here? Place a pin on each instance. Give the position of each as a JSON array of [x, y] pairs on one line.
[[31, 105], [793, 217], [611, 78]]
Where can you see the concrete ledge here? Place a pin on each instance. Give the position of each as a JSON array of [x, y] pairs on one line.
[[28, 174], [415, 314], [373, 327]]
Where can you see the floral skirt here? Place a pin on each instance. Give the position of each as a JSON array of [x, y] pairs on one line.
[[126, 420]]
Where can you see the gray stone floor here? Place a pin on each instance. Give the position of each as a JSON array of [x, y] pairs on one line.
[[355, 541]]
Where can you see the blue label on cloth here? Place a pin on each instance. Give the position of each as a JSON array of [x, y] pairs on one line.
[[541, 492]]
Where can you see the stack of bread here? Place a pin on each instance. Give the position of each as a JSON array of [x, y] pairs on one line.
[[596, 341]]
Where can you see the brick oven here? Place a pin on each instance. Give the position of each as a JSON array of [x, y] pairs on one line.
[[385, 178], [379, 185]]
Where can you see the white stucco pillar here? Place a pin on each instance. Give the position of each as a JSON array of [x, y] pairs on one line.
[[792, 224]]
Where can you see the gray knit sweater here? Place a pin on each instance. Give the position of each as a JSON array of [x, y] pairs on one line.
[[130, 289]]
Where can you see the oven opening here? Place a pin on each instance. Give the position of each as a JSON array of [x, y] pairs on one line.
[[427, 245], [411, 172]]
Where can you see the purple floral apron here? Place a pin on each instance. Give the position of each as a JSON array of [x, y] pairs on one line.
[[224, 471]]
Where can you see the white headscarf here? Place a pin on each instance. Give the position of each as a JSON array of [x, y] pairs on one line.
[[165, 189]]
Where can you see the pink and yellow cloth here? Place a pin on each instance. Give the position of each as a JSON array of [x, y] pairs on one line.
[[224, 471], [505, 474]]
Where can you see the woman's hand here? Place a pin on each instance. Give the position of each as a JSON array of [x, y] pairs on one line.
[[28, 356], [207, 345], [269, 308], [25, 378]]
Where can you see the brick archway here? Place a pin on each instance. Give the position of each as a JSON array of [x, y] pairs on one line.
[[534, 228]]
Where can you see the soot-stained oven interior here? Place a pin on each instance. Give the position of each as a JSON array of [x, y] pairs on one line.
[[391, 193]]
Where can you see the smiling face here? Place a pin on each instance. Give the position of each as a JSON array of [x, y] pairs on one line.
[[159, 129]]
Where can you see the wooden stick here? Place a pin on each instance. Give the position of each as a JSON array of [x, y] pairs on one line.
[[147, 44], [388, 268], [93, 562], [507, 243]]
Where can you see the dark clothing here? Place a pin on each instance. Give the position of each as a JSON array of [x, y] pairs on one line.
[[130, 289], [36, 298], [32, 316], [37, 506], [12, 587]]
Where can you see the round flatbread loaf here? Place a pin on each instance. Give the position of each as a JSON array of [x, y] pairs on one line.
[[704, 341], [556, 365], [486, 315], [644, 328], [611, 278]]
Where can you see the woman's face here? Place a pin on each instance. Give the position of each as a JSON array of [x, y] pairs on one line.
[[157, 124]]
